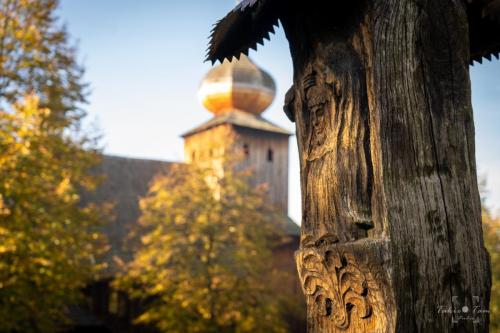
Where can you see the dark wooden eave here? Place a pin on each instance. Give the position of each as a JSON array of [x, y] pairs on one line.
[[240, 119], [252, 21], [247, 25], [484, 29]]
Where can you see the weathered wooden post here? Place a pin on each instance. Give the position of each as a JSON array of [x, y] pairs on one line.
[[391, 228]]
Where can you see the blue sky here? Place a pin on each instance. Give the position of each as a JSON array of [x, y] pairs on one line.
[[144, 62]]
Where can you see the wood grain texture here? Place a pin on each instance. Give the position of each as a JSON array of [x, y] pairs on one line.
[[381, 101]]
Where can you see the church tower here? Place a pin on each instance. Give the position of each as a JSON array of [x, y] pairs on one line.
[[237, 93]]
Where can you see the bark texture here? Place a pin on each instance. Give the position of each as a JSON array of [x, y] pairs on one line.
[[391, 227]]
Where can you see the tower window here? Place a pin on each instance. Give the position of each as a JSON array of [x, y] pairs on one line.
[[246, 149], [113, 302], [193, 155], [117, 303], [270, 155]]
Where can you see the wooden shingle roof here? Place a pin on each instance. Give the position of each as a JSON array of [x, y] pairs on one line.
[[126, 181]]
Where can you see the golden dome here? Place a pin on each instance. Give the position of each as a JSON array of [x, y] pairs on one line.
[[237, 85]]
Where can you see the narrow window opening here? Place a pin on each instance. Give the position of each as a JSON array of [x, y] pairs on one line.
[[193, 155], [270, 155], [113, 303], [246, 149], [118, 303]]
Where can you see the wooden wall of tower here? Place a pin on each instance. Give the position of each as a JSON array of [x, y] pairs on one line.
[[265, 152]]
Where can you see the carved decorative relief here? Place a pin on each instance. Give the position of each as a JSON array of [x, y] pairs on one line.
[[317, 104], [341, 284], [330, 106], [335, 284]]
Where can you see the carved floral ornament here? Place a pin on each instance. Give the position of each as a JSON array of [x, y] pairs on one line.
[[334, 284]]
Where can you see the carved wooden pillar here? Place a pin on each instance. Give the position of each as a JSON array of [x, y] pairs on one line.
[[391, 227]]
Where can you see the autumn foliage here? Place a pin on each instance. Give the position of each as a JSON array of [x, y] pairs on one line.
[[491, 230], [205, 261], [49, 242]]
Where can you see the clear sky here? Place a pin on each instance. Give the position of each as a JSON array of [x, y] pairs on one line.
[[144, 62]]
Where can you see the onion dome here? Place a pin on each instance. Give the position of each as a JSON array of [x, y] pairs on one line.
[[237, 85]]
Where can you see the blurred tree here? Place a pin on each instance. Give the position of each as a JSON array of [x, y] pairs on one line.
[[36, 57], [48, 241], [491, 229], [205, 262], [491, 234]]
